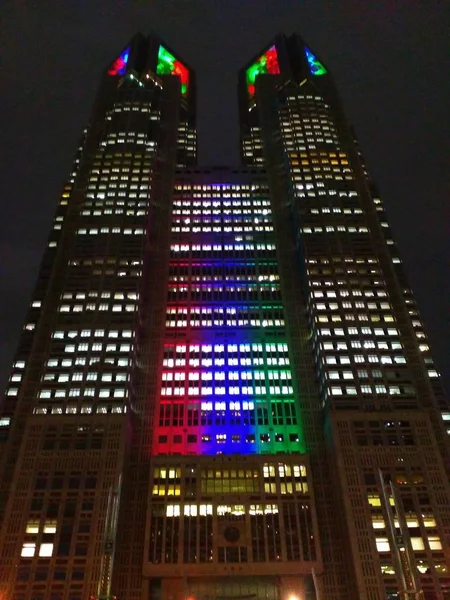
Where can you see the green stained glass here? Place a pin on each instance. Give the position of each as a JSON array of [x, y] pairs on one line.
[[315, 66], [267, 64], [169, 65]]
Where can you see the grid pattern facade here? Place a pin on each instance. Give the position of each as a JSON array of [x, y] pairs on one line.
[[361, 352], [229, 477], [187, 528], [223, 387], [379, 388], [226, 382], [67, 402]]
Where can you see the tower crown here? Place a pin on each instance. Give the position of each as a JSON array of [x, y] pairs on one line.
[[288, 57], [149, 54], [119, 66], [168, 64], [315, 66], [266, 64]]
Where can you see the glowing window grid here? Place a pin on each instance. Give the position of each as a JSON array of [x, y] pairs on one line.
[[225, 397], [267, 64], [120, 64], [169, 65]]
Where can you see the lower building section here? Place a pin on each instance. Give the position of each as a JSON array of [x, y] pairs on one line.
[[233, 586], [247, 516], [392, 480], [59, 519]]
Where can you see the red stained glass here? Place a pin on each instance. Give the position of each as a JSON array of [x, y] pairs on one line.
[[181, 71], [272, 62], [119, 65]]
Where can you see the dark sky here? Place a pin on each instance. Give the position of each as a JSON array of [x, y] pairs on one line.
[[390, 59]]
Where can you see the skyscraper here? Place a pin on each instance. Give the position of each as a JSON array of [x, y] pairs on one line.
[[223, 388]]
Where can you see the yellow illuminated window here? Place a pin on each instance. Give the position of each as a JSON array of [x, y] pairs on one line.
[[422, 566], [28, 549], [378, 523], [173, 510], [299, 470], [374, 500], [435, 542], [50, 527], [382, 544], [417, 543], [32, 527], [46, 550], [270, 488], [269, 470], [205, 510], [387, 570]]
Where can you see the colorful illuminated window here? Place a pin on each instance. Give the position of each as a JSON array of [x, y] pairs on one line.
[[315, 66], [169, 65], [267, 64], [227, 396], [120, 64]]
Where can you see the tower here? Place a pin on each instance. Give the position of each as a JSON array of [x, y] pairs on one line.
[[68, 426], [223, 388], [380, 398]]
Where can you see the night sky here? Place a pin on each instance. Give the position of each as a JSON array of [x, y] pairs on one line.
[[390, 59]]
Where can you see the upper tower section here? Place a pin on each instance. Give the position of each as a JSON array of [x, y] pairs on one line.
[[148, 61], [289, 60], [144, 56]]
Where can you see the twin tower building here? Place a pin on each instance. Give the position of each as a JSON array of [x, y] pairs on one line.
[[223, 389]]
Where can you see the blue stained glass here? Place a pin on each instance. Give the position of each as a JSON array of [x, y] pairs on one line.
[[315, 66], [120, 64]]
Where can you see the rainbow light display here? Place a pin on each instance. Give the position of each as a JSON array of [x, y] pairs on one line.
[[315, 66], [226, 382], [267, 64], [169, 65], [120, 64]]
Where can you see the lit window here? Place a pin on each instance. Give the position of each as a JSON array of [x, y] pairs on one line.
[[32, 527], [46, 550], [374, 500], [378, 523], [382, 544], [50, 527], [173, 510], [28, 549], [417, 543], [435, 542]]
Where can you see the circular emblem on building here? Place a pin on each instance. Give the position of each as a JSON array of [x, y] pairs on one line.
[[231, 534]]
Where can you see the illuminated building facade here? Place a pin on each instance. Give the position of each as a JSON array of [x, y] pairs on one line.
[[230, 489], [382, 447], [223, 388], [67, 412]]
